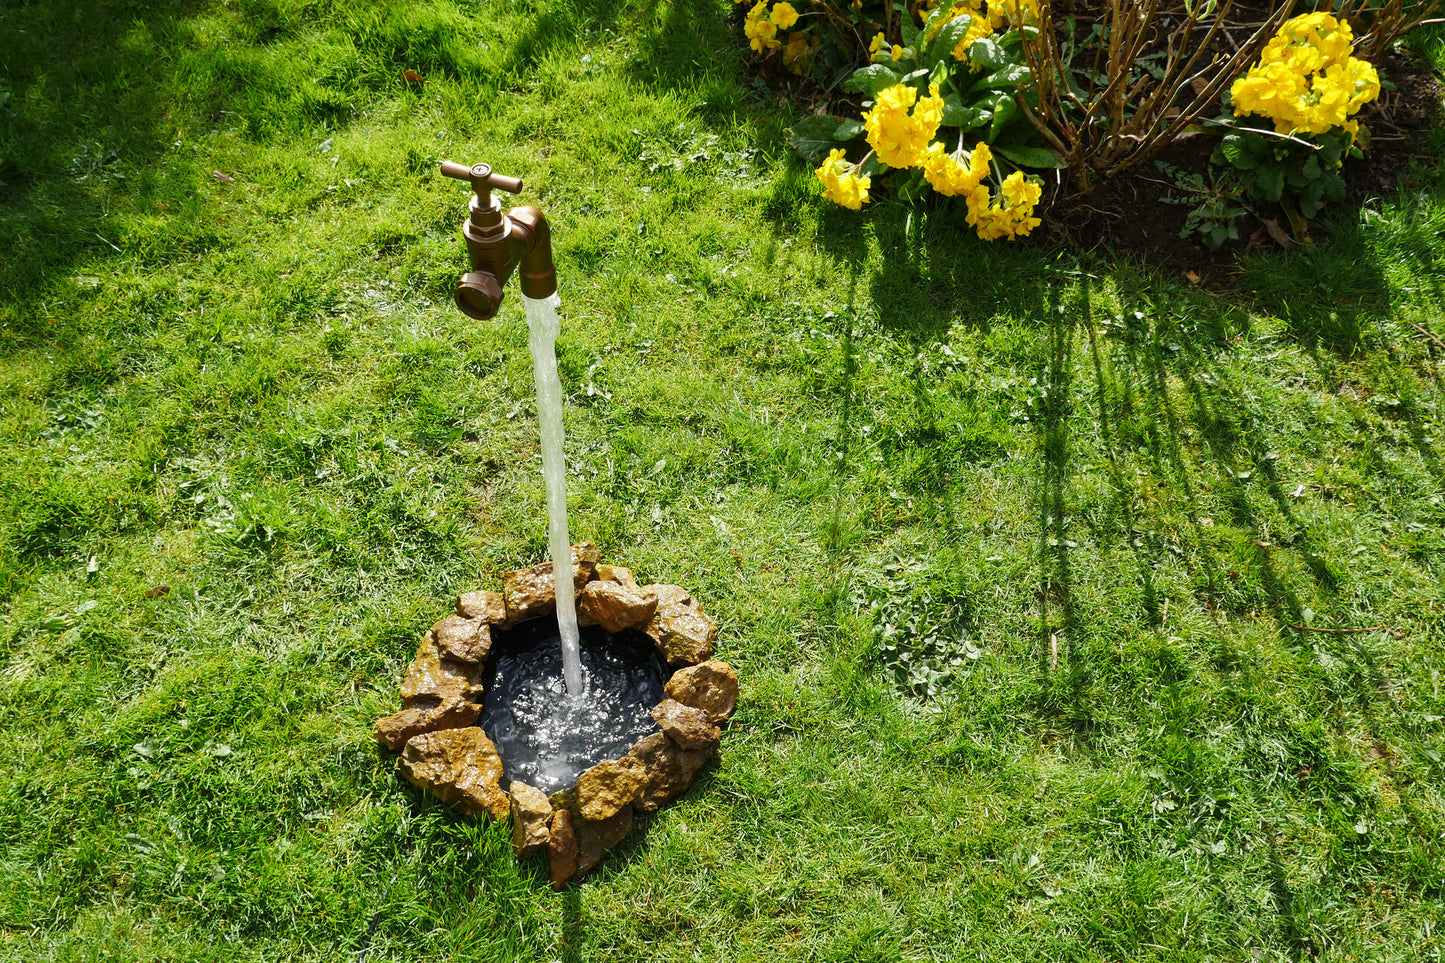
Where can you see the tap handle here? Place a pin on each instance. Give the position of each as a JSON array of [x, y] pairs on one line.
[[482, 178]]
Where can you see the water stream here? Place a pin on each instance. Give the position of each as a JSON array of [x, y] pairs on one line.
[[543, 327]]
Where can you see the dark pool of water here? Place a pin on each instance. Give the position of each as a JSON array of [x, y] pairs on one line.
[[546, 738]]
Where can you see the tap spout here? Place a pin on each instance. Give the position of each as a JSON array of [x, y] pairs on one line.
[[539, 271]]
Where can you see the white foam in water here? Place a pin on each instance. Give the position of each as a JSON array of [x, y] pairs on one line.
[[543, 327]]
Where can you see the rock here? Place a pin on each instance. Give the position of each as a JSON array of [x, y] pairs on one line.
[[596, 837], [427, 716], [588, 554], [462, 639], [690, 728], [561, 849], [711, 686], [486, 607], [683, 632], [671, 595], [531, 816], [445, 680], [459, 766], [615, 607], [669, 770], [608, 787], [529, 592], [617, 575]]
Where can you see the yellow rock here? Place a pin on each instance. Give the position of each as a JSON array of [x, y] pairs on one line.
[[458, 766]]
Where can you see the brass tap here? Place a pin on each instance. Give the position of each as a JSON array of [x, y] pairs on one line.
[[497, 242]]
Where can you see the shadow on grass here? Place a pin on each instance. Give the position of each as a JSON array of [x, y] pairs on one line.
[[1055, 592], [933, 276], [573, 932], [83, 131], [108, 106]]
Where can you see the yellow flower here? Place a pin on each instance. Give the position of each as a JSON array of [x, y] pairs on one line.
[[900, 138], [1019, 192], [1363, 81], [841, 183], [1011, 218], [876, 44], [1306, 81], [784, 15], [761, 32], [956, 174], [1002, 13], [1265, 89]]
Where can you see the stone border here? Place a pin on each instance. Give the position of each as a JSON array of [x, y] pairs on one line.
[[445, 753]]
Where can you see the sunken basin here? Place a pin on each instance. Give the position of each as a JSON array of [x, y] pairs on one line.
[[484, 707]]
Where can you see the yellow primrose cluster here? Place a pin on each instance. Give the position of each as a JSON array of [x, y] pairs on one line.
[[842, 183], [899, 137], [958, 174], [900, 129], [1306, 81], [1010, 214], [762, 26]]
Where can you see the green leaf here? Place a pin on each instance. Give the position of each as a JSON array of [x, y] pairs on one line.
[[871, 79], [1004, 110], [906, 26], [1025, 156], [1232, 147], [813, 137], [1271, 182], [848, 130], [989, 53], [948, 38], [1010, 76], [964, 118]]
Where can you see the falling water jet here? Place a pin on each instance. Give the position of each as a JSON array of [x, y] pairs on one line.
[[542, 329]]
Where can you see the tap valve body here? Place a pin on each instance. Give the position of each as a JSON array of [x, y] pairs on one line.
[[499, 242]]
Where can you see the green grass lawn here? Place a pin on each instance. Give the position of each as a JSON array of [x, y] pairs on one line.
[[1080, 614]]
